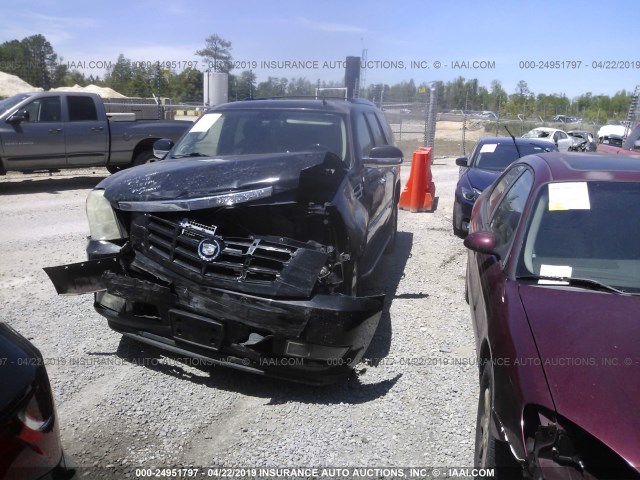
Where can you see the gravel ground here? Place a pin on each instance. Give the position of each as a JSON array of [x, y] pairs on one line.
[[124, 405]]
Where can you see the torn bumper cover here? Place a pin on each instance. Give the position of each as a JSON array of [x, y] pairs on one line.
[[314, 340]]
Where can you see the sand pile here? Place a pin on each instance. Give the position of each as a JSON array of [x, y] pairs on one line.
[[11, 85], [104, 92]]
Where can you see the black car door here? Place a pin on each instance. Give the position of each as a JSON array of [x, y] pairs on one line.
[[373, 178]]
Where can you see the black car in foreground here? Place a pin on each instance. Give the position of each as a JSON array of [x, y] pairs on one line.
[[488, 159], [30, 445], [246, 245]]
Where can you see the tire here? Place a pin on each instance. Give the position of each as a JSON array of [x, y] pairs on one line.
[[114, 168], [456, 222], [393, 222], [485, 453], [489, 451], [145, 156]]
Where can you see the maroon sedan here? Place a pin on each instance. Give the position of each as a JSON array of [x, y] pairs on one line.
[[553, 282]]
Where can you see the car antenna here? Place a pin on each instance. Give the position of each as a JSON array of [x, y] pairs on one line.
[[514, 140]]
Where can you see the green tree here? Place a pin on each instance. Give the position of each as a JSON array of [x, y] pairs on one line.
[[119, 77], [186, 86], [217, 54], [34, 61]]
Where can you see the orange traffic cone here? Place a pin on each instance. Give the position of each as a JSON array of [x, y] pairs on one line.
[[420, 191]]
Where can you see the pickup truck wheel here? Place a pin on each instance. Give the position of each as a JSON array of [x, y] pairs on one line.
[[113, 168], [146, 156]]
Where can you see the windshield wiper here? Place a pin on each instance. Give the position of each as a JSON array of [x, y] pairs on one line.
[[192, 154], [577, 282]]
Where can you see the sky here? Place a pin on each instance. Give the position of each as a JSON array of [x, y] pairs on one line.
[[556, 47]]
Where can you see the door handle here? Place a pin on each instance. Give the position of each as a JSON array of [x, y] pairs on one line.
[[55, 130], [97, 129]]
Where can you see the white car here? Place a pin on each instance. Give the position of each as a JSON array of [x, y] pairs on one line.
[[562, 140]]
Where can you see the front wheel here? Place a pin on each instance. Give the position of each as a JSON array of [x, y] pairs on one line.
[[146, 156], [491, 453], [485, 442], [458, 230]]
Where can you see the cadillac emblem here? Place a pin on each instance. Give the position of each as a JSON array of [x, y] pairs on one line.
[[209, 249]]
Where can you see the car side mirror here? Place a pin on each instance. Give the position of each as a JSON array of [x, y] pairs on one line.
[[482, 242], [385, 155], [19, 117], [636, 145], [462, 162], [161, 147]]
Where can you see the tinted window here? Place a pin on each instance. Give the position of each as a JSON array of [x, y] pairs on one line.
[[365, 142], [503, 183], [81, 109], [385, 127], [46, 109], [507, 215], [378, 135]]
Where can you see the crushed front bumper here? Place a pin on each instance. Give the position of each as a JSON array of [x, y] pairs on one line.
[[314, 340]]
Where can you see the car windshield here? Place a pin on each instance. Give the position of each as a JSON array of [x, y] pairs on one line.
[[497, 156], [585, 230], [538, 133], [243, 132], [11, 102]]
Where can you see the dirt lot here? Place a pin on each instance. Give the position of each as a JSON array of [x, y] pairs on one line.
[[124, 405]]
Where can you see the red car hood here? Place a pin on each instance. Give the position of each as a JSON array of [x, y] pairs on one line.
[[589, 344]]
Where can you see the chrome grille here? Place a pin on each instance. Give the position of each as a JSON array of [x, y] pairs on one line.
[[252, 259]]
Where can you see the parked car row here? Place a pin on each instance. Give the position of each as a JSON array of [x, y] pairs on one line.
[[552, 283]]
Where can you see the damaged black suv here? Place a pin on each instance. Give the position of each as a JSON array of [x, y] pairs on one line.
[[246, 245]]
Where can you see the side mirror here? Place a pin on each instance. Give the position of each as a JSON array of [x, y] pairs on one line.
[[462, 162], [386, 155], [636, 145], [482, 242], [161, 147], [19, 117]]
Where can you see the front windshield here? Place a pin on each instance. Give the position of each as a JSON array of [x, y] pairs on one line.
[[243, 132], [586, 230], [11, 102], [538, 133], [497, 156]]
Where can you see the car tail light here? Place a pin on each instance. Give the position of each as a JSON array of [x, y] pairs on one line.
[[29, 437]]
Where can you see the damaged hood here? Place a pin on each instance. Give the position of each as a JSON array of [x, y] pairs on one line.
[[588, 345], [192, 178]]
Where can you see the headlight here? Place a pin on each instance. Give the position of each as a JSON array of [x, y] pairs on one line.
[[470, 195], [103, 223]]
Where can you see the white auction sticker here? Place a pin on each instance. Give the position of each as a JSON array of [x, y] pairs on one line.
[[560, 271], [569, 196], [205, 123], [488, 148]]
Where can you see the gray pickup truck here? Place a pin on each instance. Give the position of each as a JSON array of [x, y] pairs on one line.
[[53, 130]]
